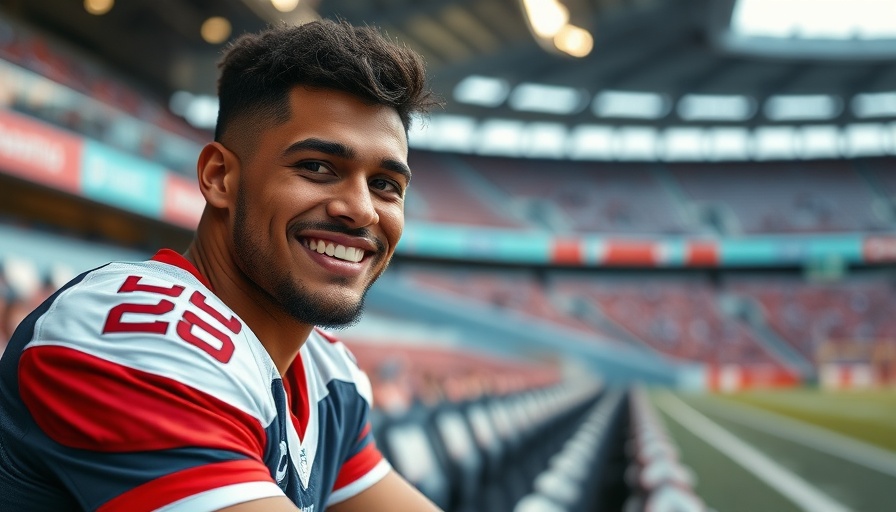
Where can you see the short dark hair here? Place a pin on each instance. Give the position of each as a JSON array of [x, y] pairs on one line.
[[259, 70]]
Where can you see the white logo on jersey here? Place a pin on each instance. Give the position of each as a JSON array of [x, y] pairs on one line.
[[303, 467], [283, 465]]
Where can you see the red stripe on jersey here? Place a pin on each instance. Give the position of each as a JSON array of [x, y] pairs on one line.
[[359, 465], [175, 259], [84, 402], [296, 387], [188, 482]]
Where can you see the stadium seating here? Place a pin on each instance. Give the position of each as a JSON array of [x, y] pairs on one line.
[[587, 197], [658, 479], [444, 196], [811, 316]]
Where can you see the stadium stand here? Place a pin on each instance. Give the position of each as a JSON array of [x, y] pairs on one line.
[[584, 197]]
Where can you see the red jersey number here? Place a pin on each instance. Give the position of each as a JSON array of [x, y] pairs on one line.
[[187, 326]]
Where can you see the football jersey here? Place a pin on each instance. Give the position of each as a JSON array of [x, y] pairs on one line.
[[134, 388]]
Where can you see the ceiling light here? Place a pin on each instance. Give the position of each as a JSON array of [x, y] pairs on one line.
[[636, 143], [727, 144], [215, 30], [866, 139], [544, 140], [499, 137], [630, 104], [683, 143], [819, 141], [98, 7], [574, 41], [878, 104], [481, 90], [448, 133], [592, 142], [716, 107], [285, 5], [802, 107], [551, 99], [546, 17], [774, 143]]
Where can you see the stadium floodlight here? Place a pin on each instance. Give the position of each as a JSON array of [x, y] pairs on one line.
[[878, 104], [544, 140], [481, 90], [545, 17], [573, 40], [802, 107], [550, 99], [866, 139], [445, 133], [819, 141], [630, 104], [683, 143], [98, 7], [215, 30], [774, 143], [636, 143], [716, 107], [727, 144], [285, 5], [592, 142], [502, 137]]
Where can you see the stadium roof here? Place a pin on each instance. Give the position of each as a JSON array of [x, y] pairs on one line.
[[654, 63]]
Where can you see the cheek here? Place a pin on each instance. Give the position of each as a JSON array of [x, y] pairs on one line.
[[392, 224]]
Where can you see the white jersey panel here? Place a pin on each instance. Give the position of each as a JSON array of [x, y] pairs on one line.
[[80, 313]]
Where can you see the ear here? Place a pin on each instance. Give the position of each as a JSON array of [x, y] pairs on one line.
[[218, 174]]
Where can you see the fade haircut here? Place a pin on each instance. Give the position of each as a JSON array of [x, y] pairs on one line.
[[259, 70]]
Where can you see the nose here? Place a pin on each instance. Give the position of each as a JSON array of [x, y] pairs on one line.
[[353, 204]]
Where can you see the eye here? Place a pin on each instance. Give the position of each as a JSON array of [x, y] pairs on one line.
[[386, 186], [312, 167]]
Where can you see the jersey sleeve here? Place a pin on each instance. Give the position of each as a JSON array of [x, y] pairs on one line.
[[135, 406], [363, 464]]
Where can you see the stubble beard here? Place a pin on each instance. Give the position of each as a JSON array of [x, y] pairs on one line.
[[291, 294]]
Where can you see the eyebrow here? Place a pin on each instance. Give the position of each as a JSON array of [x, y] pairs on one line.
[[340, 150]]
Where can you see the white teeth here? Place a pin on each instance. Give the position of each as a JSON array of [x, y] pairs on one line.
[[342, 252]]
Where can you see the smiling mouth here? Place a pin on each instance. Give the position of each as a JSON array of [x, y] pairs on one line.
[[340, 252]]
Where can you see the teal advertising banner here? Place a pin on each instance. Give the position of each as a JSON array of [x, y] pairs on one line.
[[119, 179]]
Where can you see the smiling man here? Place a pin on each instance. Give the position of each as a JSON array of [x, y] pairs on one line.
[[202, 381]]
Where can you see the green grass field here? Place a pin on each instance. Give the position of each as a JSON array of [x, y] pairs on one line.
[[838, 448], [866, 415]]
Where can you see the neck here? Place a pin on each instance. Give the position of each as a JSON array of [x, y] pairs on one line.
[[280, 334]]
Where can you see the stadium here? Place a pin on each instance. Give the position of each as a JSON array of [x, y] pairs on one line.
[[649, 258]]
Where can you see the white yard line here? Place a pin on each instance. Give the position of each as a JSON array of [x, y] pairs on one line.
[[794, 488], [812, 436]]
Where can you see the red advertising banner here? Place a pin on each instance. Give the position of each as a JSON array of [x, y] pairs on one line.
[[632, 252], [39, 152], [183, 202], [702, 254], [879, 249]]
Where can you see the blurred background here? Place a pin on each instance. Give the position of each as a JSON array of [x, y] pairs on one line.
[[650, 244]]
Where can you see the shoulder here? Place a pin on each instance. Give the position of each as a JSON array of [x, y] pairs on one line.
[[334, 362], [149, 320]]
